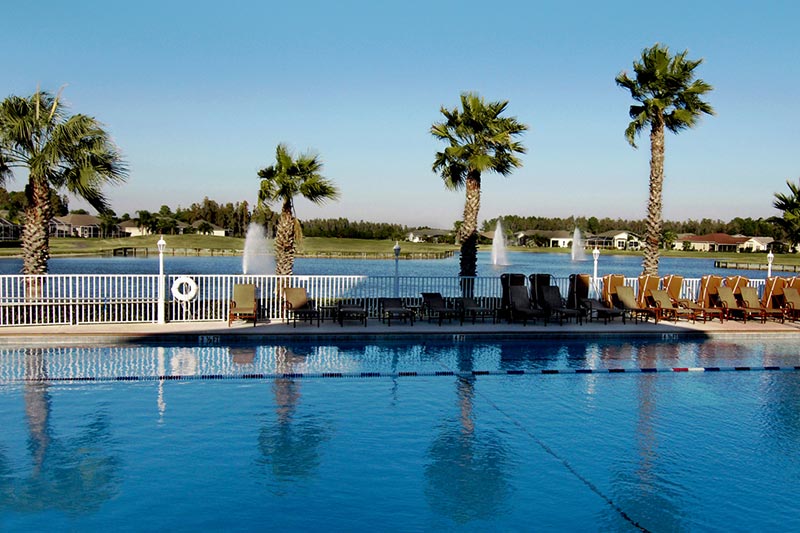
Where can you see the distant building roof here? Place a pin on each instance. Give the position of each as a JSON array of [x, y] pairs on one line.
[[77, 220], [717, 238]]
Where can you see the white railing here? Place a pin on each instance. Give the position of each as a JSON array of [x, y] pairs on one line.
[[121, 298]]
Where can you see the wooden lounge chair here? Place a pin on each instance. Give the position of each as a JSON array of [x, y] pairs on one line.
[[773, 292], [736, 283], [351, 311], [243, 304], [647, 283], [554, 305], [673, 284], [470, 308], [389, 308], [522, 307], [791, 301], [434, 306], [733, 308], [750, 300], [626, 300], [666, 308], [610, 284], [298, 305]]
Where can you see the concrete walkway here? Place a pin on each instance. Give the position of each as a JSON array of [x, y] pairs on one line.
[[215, 331]]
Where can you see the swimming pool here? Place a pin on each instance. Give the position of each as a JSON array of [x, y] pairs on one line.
[[442, 435]]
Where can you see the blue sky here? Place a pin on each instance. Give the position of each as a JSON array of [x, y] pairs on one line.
[[197, 95]]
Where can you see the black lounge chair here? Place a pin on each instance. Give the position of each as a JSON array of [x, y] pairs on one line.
[[389, 308], [470, 308], [351, 311], [521, 306], [298, 305], [434, 306], [554, 305], [598, 309]]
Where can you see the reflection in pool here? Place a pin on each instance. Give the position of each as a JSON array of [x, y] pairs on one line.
[[423, 449]]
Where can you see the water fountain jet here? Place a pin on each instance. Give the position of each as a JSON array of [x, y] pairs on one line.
[[257, 259], [578, 253], [499, 247]]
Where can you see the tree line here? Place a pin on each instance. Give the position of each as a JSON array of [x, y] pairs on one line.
[[751, 227]]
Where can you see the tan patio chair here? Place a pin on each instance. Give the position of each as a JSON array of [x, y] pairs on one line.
[[243, 304]]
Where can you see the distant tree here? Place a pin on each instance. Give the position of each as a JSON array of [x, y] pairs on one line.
[[79, 212], [668, 238], [56, 151], [478, 140], [668, 97], [789, 221], [205, 228], [281, 182]]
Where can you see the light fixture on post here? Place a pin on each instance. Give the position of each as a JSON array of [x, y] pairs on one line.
[[595, 284], [770, 259], [396, 269], [161, 282]]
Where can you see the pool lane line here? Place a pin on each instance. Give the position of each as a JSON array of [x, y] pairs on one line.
[[404, 374], [566, 464]]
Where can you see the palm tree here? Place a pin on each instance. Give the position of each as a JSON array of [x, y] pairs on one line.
[[789, 222], [669, 97], [281, 182], [59, 152], [479, 140]]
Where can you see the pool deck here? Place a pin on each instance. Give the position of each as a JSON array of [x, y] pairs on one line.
[[219, 330]]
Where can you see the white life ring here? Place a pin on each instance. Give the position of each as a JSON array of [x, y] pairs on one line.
[[177, 289]]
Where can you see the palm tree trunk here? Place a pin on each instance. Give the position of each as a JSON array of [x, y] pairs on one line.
[[36, 231], [469, 229], [654, 223], [284, 242]]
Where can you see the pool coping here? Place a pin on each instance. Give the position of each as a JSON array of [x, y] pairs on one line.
[[218, 333]]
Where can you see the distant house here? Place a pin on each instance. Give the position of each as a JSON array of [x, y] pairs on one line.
[[615, 240], [427, 235], [9, 231], [552, 239], [75, 225], [131, 229], [215, 230], [714, 242], [756, 244]]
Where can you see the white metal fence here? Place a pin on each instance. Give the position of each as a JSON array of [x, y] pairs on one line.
[[102, 298]]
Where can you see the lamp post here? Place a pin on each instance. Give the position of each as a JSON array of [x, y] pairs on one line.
[[595, 256], [161, 282], [396, 269], [770, 259]]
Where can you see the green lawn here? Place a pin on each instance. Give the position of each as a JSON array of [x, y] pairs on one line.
[[315, 245]]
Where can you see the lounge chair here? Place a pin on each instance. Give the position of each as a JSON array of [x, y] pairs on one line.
[[298, 305], [389, 308], [750, 300], [733, 308], [791, 300], [522, 307], [647, 283], [626, 300], [506, 282], [610, 284], [598, 309], [773, 292], [674, 286], [537, 282], [434, 306], [243, 304], [666, 308], [578, 295], [554, 305], [351, 311], [736, 283], [470, 308]]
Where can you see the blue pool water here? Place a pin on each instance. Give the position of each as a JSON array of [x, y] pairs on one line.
[[255, 438]]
